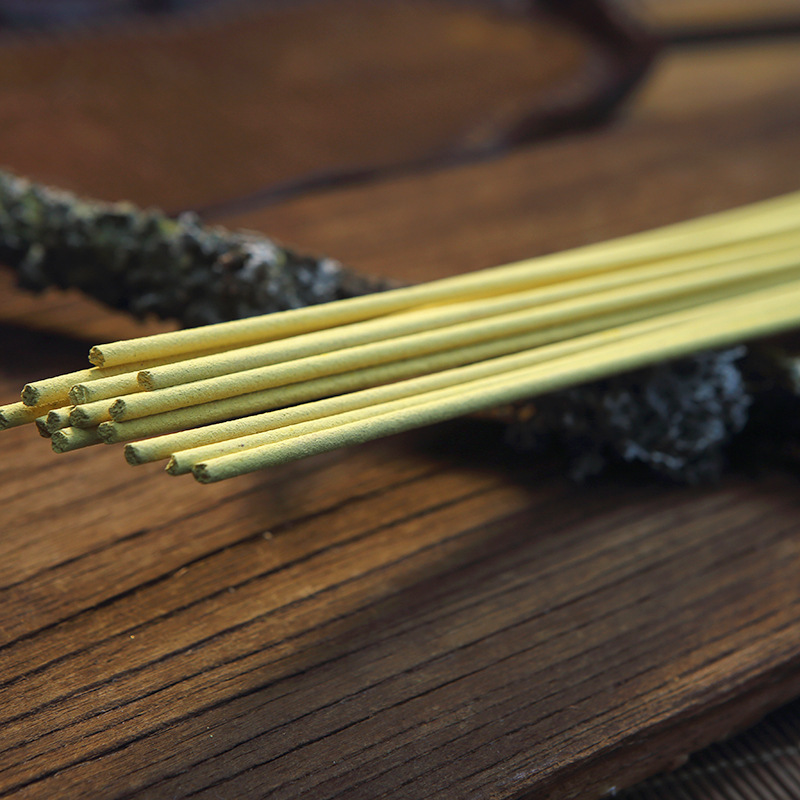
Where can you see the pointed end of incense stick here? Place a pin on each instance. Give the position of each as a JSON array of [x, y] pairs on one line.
[[56, 419], [107, 432], [132, 455], [96, 357], [118, 409], [59, 441], [31, 396], [41, 426], [68, 439], [145, 380], [77, 394], [172, 467], [202, 474]]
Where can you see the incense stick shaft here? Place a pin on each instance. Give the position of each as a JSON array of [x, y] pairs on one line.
[[15, 414], [90, 415], [428, 342], [58, 418], [183, 461], [431, 318], [718, 230], [189, 447], [768, 314], [165, 423], [67, 439], [105, 388]]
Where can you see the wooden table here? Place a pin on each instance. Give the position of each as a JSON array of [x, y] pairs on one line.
[[430, 615]]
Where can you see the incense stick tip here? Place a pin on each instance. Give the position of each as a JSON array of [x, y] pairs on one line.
[[145, 380], [172, 467], [77, 394], [107, 432], [132, 455], [41, 426], [59, 441], [57, 418], [96, 357], [67, 439], [202, 474], [118, 409], [30, 395]]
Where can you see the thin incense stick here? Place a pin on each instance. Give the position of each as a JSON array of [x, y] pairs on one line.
[[58, 418], [67, 439], [249, 404], [764, 313], [406, 323], [90, 415], [106, 384], [145, 403], [56, 390], [705, 233], [105, 388], [15, 414], [249, 432], [41, 426], [183, 461]]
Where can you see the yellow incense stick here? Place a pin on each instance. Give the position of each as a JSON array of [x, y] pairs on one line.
[[183, 461], [67, 439], [138, 405], [90, 415], [105, 388], [55, 390], [193, 446], [440, 316], [722, 229], [765, 312], [113, 382], [41, 426], [15, 414], [249, 404], [58, 418]]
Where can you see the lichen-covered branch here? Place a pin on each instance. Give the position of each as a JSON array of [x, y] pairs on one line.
[[677, 418], [145, 262], [684, 420]]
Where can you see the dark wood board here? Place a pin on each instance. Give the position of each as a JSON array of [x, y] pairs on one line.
[[427, 616], [201, 109], [715, 14]]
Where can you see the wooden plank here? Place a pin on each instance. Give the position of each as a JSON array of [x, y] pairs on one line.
[[425, 616], [710, 14], [697, 140], [187, 114]]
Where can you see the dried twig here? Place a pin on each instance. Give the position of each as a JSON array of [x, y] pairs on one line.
[[145, 262]]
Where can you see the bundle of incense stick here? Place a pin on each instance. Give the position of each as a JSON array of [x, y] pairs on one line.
[[228, 399]]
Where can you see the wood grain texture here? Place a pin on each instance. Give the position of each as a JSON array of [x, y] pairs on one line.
[[714, 13], [428, 616], [192, 114]]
